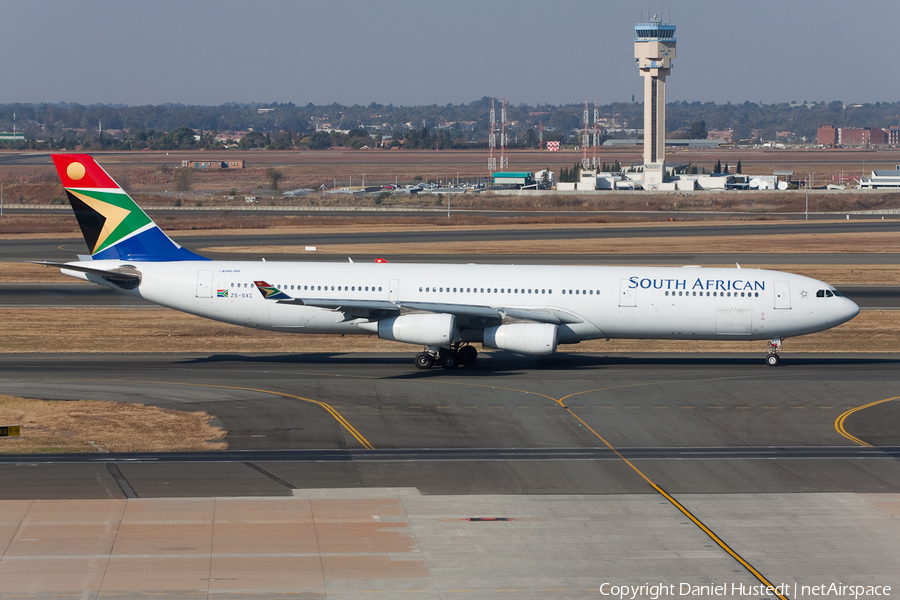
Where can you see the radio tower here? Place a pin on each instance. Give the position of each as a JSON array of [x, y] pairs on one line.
[[585, 139], [504, 159], [540, 135], [595, 160], [492, 141]]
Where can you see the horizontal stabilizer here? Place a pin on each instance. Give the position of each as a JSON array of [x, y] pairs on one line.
[[127, 277]]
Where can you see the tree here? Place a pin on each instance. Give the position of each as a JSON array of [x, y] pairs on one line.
[[697, 131], [274, 176], [740, 132], [738, 169], [718, 168], [319, 140], [183, 179]]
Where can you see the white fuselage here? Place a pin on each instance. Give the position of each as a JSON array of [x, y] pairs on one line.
[[603, 302]]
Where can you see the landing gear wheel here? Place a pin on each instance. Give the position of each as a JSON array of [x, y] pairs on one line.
[[773, 360], [424, 360], [450, 360], [467, 355]]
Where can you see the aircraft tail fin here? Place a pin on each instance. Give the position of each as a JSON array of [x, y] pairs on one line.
[[113, 225]]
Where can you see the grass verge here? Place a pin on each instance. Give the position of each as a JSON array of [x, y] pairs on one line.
[[59, 426], [119, 330]]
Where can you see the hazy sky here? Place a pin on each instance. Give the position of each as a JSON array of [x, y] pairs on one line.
[[428, 52]]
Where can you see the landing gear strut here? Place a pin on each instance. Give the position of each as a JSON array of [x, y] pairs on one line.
[[449, 358], [772, 358]]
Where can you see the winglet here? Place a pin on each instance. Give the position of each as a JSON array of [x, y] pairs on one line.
[[270, 292]]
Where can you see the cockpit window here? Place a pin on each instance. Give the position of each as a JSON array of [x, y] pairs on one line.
[[837, 293]]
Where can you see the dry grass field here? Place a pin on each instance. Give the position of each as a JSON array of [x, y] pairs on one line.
[[53, 427]]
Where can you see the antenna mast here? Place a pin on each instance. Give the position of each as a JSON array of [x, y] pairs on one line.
[[585, 139], [504, 141], [492, 141], [595, 160]]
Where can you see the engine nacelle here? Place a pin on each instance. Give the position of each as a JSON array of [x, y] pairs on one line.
[[426, 329], [523, 338]]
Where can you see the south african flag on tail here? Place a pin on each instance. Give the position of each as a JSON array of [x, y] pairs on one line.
[[113, 226]]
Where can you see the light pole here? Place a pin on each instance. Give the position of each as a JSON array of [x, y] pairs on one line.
[[807, 197]]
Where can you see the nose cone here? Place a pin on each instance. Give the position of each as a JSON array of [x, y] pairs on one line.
[[847, 309]]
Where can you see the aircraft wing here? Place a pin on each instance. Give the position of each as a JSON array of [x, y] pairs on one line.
[[354, 309], [471, 316], [541, 315]]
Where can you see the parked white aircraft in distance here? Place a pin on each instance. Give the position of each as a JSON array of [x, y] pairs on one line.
[[444, 307]]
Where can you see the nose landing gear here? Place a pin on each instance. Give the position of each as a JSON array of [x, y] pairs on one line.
[[772, 358]]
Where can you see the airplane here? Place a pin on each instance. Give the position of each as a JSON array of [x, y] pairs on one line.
[[445, 308]]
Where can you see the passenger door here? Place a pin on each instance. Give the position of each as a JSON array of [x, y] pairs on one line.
[[626, 293], [204, 284], [782, 295]]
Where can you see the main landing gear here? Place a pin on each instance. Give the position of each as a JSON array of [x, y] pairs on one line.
[[449, 358], [772, 358]]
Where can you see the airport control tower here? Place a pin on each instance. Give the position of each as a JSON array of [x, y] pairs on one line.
[[654, 49]]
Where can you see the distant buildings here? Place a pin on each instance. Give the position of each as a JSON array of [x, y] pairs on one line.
[[213, 164], [857, 137]]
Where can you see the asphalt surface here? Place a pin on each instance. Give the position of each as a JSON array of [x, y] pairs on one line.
[[692, 423], [19, 250]]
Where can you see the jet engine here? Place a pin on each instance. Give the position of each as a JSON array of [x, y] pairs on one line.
[[426, 329], [523, 338]]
